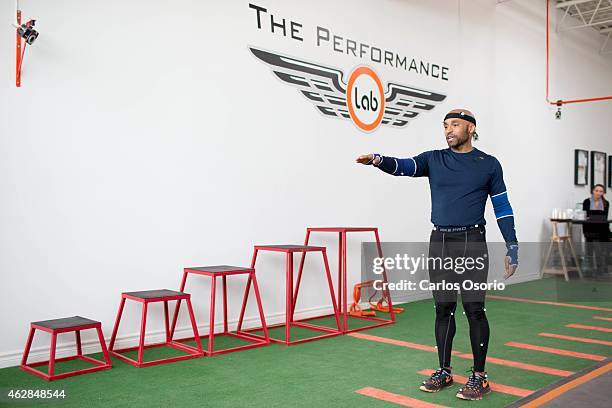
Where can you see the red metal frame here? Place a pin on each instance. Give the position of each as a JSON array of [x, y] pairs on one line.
[[50, 375], [191, 351], [256, 342], [18, 52], [561, 102], [342, 276], [291, 298]]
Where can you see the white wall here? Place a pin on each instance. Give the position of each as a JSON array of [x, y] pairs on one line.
[[146, 138]]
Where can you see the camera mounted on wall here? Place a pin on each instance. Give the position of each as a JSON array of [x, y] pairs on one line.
[[558, 112], [27, 32]]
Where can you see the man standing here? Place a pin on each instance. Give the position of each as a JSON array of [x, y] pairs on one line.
[[460, 178]]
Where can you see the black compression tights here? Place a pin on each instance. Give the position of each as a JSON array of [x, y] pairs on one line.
[[445, 331]]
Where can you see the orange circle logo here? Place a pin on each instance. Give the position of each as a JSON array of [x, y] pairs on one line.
[[365, 98]]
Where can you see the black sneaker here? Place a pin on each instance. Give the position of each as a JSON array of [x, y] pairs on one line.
[[476, 387], [440, 379]]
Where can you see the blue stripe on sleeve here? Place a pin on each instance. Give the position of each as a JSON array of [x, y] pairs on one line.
[[501, 205]]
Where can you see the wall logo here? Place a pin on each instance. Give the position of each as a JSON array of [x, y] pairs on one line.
[[365, 98], [362, 100]]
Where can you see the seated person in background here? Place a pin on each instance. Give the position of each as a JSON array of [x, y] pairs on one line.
[[597, 208]]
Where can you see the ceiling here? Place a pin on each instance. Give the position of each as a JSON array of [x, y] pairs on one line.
[[588, 14]]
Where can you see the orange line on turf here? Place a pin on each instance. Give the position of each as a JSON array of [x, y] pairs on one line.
[[568, 386], [603, 318], [523, 366], [544, 302], [396, 342], [585, 327], [504, 389], [509, 363], [396, 398], [553, 350], [580, 339]]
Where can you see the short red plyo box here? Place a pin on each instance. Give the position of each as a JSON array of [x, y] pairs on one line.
[[150, 296], [291, 296], [56, 326], [225, 271], [342, 273]]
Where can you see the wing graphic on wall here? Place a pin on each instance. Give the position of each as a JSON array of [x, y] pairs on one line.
[[404, 103], [323, 86], [326, 89]]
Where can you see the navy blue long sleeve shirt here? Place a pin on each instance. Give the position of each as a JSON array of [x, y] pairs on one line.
[[460, 184]]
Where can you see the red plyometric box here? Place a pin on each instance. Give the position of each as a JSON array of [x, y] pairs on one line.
[[342, 276], [224, 271], [291, 296], [56, 326], [146, 297]]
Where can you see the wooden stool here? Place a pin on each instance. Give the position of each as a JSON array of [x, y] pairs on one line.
[[560, 241]]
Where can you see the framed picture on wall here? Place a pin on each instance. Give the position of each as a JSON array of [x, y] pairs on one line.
[[610, 171], [598, 169], [581, 166]]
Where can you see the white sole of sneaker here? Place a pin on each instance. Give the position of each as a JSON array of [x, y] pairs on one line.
[[422, 388]]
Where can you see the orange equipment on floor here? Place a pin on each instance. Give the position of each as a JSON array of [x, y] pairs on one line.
[[381, 306]]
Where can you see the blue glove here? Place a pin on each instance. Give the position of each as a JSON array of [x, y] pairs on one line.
[[512, 253]]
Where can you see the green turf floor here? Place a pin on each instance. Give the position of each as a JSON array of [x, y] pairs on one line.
[[326, 373]]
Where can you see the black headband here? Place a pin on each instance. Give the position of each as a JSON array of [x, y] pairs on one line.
[[460, 115]]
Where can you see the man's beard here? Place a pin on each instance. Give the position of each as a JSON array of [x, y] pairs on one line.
[[460, 141]]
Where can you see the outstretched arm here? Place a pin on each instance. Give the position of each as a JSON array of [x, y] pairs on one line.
[[413, 166]]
